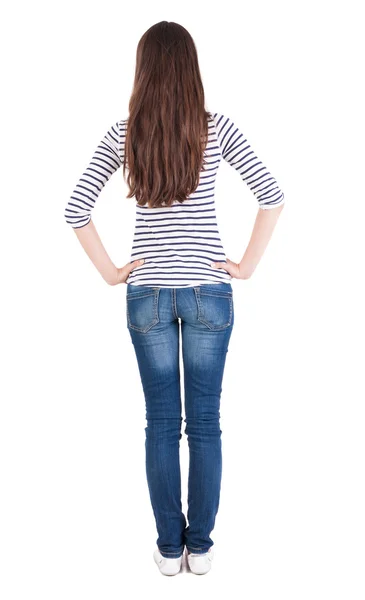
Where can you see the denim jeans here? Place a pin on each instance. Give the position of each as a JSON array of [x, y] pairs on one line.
[[155, 316]]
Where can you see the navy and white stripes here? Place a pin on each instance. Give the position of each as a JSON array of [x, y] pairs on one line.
[[238, 153], [107, 158], [179, 242]]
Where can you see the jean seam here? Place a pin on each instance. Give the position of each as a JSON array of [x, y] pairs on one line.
[[174, 302]]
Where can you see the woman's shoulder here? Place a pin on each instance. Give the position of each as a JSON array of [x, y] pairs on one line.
[[220, 116]]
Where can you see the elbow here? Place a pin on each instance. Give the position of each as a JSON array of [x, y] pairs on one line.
[[71, 222], [277, 208], [276, 204], [281, 206], [76, 218]]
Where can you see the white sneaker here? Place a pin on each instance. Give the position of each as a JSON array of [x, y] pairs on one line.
[[200, 563], [167, 566]]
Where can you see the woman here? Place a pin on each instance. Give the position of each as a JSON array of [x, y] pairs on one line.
[[179, 275]]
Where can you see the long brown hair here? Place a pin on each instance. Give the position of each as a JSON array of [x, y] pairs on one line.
[[167, 128]]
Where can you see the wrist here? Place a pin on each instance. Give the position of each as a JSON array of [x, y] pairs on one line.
[[111, 277], [245, 271]]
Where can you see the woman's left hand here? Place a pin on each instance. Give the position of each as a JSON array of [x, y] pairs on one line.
[[122, 274], [236, 270]]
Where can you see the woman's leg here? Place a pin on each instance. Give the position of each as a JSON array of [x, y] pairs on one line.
[[154, 332], [207, 321]]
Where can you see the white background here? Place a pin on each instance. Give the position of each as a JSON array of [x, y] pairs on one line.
[[76, 521]]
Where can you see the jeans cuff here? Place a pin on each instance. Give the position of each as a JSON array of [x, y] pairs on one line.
[[176, 554]]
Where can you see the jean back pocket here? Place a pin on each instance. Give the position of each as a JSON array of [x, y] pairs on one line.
[[142, 308], [215, 306]]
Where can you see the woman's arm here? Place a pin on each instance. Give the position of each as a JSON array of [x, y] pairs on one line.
[[262, 231], [92, 244], [238, 153], [106, 160]]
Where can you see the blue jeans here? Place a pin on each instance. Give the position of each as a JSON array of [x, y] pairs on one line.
[[206, 315]]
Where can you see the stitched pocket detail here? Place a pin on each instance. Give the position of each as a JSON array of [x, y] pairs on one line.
[[215, 307], [142, 308]]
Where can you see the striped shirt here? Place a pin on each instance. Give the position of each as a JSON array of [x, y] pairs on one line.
[[178, 243]]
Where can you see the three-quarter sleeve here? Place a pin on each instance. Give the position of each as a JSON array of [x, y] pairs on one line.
[[237, 151], [106, 160]]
